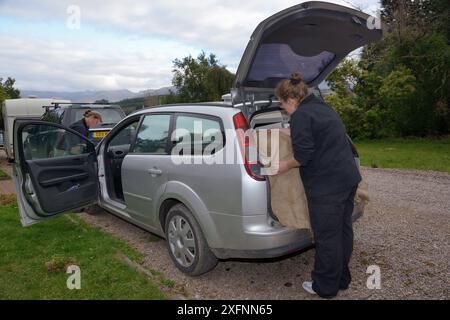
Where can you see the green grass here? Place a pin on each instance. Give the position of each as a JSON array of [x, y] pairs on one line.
[[34, 260], [414, 153], [3, 175]]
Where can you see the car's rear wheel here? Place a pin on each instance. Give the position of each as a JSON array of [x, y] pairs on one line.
[[186, 242]]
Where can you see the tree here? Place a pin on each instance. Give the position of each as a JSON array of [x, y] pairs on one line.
[[2, 96], [8, 88], [345, 78], [199, 80], [404, 83], [422, 15], [360, 112], [7, 91], [397, 93]]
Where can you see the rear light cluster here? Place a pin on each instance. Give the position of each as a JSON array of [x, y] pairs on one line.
[[248, 146]]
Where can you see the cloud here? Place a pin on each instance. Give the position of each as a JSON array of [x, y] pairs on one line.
[[124, 44], [62, 66]]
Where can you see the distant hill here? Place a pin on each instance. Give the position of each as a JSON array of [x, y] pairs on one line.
[[91, 95], [157, 92], [131, 105]]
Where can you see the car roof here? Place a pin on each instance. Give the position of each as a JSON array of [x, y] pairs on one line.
[[181, 106], [89, 106], [204, 108], [79, 106]]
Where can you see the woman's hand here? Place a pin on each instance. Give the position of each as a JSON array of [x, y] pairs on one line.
[[285, 166], [286, 131]]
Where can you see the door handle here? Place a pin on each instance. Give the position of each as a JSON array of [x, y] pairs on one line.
[[154, 172]]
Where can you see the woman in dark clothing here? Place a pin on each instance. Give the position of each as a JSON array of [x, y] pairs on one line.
[[330, 176], [90, 120]]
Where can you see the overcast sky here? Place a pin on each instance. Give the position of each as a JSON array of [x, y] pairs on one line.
[[124, 44]]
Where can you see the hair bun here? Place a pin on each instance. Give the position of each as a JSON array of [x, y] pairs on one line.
[[296, 78]]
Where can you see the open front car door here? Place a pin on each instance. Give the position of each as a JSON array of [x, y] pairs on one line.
[[54, 170]]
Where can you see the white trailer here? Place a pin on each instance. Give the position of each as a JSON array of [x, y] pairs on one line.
[[29, 108]]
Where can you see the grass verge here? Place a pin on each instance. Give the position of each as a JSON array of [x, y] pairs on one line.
[[419, 154], [3, 175], [34, 261]]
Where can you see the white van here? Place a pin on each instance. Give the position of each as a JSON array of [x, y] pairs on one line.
[[28, 108]]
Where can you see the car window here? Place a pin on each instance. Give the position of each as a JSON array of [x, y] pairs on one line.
[[45, 141], [60, 114], [196, 130], [54, 115], [50, 116], [153, 134], [108, 115], [125, 136]]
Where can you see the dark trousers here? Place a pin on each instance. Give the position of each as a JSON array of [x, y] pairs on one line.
[[331, 221]]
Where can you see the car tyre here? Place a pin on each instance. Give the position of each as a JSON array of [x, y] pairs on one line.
[[186, 243]]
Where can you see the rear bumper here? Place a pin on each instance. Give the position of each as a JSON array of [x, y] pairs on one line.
[[271, 242], [301, 240]]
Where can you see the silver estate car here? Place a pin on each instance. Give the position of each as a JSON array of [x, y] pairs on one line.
[[206, 208]]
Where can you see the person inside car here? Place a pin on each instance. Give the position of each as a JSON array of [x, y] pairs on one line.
[[90, 120], [322, 151]]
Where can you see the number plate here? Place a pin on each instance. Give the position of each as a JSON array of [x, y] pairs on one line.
[[99, 134]]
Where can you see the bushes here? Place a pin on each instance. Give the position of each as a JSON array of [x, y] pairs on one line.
[[397, 100], [351, 114], [401, 84], [401, 90]]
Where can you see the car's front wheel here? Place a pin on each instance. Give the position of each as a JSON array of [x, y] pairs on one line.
[[186, 243]]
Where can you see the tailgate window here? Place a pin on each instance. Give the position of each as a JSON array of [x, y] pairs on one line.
[[278, 61]]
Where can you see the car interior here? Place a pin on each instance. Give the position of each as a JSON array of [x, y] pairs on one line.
[[116, 150]]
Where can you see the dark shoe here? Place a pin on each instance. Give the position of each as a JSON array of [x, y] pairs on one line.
[[308, 286], [344, 287]]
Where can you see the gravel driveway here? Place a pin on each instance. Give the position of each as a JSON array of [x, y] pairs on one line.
[[405, 231]]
